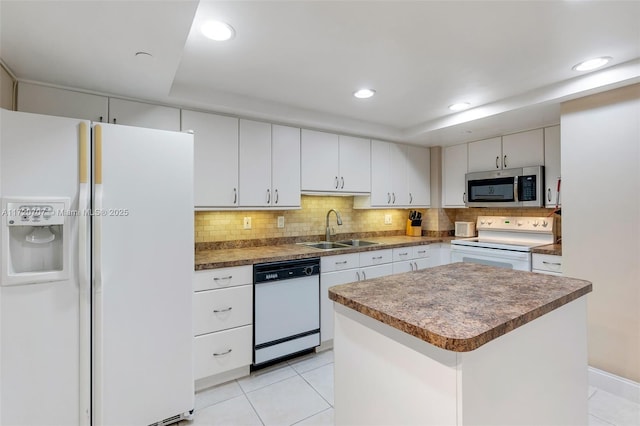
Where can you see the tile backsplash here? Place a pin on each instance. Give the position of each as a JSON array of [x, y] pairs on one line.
[[220, 226], [309, 220]]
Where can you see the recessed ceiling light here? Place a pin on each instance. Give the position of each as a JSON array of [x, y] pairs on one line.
[[591, 64], [218, 31], [459, 106], [364, 93]]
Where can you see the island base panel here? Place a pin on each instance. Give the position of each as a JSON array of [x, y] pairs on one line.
[[535, 374]]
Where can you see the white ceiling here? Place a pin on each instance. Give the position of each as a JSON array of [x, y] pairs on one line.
[[298, 62]]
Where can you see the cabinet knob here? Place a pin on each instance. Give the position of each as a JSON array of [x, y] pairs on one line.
[[268, 196], [342, 184], [505, 162], [277, 197], [235, 195], [549, 194], [497, 162], [337, 182], [410, 198], [388, 198]]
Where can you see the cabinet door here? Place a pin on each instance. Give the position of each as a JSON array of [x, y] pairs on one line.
[[254, 177], [485, 155], [551, 164], [403, 266], [381, 184], [62, 103], [523, 149], [141, 114], [376, 271], [285, 166], [419, 176], [327, 280], [454, 167], [215, 158], [355, 164], [319, 166], [400, 192]]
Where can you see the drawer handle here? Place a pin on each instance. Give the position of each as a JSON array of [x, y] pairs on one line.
[[402, 254], [341, 263], [552, 263], [421, 251], [222, 353], [217, 311], [222, 278], [376, 258]]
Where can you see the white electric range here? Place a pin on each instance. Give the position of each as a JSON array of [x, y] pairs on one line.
[[504, 241]]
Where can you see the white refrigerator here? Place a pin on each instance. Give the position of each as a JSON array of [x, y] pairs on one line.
[[97, 264]]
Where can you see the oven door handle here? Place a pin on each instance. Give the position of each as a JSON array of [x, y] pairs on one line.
[[515, 188]]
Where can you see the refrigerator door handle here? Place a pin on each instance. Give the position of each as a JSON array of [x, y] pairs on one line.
[[97, 345], [84, 278]]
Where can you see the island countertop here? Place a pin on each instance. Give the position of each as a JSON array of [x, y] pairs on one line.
[[460, 306]]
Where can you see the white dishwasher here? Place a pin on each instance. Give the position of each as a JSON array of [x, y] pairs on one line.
[[286, 316]]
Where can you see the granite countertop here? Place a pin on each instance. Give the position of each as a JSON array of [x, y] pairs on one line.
[[219, 258], [554, 249], [460, 306]]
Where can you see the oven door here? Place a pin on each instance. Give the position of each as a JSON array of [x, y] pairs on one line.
[[517, 260]]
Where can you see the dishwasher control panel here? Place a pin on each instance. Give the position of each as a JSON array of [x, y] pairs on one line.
[[286, 270]]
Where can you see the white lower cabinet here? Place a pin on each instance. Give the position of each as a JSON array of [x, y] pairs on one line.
[[546, 264], [222, 324], [343, 269], [218, 353]]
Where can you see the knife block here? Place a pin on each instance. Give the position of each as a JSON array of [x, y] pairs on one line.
[[413, 231]]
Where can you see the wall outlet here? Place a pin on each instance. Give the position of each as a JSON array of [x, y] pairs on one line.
[[387, 219], [280, 221], [247, 223]]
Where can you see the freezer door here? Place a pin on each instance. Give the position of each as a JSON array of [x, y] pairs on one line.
[[40, 353], [143, 264]]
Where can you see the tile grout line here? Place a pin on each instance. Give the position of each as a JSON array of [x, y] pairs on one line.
[[250, 403]]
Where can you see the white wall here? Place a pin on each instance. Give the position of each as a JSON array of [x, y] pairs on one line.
[[601, 220], [6, 89]]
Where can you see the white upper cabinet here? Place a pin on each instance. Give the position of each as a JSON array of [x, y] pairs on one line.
[[523, 149], [269, 173], [551, 164], [215, 158], [454, 167], [485, 155], [63, 103], [507, 152], [332, 163], [355, 164], [285, 166], [141, 114], [400, 175], [381, 184], [419, 176]]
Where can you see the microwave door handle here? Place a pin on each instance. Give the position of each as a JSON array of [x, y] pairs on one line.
[[515, 188]]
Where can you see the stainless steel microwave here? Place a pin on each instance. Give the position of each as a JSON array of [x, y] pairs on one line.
[[522, 187]]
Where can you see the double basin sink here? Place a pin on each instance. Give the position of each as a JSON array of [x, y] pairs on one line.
[[331, 245]]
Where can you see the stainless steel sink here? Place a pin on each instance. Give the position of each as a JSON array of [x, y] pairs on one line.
[[357, 243], [326, 245]]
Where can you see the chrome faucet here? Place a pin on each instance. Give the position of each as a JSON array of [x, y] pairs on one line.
[[327, 236]]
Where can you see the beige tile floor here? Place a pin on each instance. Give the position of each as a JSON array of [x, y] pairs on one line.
[[300, 392]]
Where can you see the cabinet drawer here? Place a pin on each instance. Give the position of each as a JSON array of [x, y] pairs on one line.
[[377, 257], [420, 252], [339, 262], [547, 262], [402, 253], [234, 308], [218, 352], [223, 277]]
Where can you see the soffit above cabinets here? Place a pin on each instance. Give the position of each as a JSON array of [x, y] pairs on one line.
[[299, 63]]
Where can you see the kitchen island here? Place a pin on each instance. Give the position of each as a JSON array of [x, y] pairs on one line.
[[461, 344]]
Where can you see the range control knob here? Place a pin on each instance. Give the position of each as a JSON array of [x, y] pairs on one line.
[[482, 222], [519, 223], [308, 270], [535, 223], [544, 223]]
